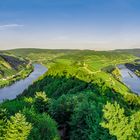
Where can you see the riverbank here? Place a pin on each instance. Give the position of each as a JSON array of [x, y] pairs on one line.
[[20, 75], [73, 90], [130, 79], [11, 92], [134, 67]]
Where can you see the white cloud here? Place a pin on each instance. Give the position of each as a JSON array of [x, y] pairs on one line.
[[10, 26]]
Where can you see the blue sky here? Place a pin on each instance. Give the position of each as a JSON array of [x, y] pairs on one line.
[[83, 24]]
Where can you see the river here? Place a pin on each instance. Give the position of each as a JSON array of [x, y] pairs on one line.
[[130, 79], [11, 92]]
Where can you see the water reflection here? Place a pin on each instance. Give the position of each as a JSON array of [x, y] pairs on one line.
[[130, 79]]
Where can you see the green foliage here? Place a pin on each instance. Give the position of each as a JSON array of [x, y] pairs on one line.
[[109, 68], [17, 128], [3, 114], [41, 102], [85, 123], [18, 76], [124, 128], [73, 94], [67, 103], [133, 100], [116, 73], [13, 69], [135, 124], [44, 128], [62, 108], [14, 106], [3, 119]]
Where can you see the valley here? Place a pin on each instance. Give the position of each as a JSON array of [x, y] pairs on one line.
[[80, 96]]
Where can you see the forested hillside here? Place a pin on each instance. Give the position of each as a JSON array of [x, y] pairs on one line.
[[135, 52], [79, 98]]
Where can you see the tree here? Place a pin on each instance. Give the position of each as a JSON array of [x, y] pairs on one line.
[[44, 128], [119, 125], [3, 120], [17, 128], [41, 102], [85, 123]]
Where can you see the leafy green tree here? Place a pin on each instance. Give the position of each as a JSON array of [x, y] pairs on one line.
[[41, 102], [135, 124], [17, 128], [3, 120], [14, 106], [44, 128], [62, 108], [124, 128], [85, 123]]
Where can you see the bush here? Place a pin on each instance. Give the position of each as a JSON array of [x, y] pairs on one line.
[[85, 123], [14, 106], [3, 120], [41, 102], [17, 128], [44, 128], [122, 126], [62, 108]]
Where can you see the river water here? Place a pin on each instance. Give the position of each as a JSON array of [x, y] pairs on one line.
[[10, 92], [130, 79]]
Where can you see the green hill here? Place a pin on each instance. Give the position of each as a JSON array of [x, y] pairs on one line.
[[12, 68], [79, 98], [10, 65], [135, 52]]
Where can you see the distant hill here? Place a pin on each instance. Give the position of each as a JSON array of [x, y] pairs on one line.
[[135, 52], [10, 65]]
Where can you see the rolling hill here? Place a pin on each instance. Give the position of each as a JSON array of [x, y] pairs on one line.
[[78, 98]]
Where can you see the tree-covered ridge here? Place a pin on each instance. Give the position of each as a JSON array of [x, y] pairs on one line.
[[77, 100]]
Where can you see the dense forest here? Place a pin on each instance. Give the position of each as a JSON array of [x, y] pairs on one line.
[[80, 97]]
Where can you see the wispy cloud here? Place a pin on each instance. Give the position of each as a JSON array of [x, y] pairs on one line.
[[10, 26]]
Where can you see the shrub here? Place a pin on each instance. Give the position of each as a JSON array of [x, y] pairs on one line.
[[85, 123], [17, 128], [62, 108], [41, 102], [119, 125], [14, 106], [3, 120], [44, 128]]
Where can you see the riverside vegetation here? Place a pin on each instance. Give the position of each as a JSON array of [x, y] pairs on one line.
[[13, 68], [79, 98]]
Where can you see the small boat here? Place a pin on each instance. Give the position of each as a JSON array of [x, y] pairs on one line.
[[130, 74]]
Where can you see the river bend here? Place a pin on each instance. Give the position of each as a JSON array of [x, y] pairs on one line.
[[11, 92]]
